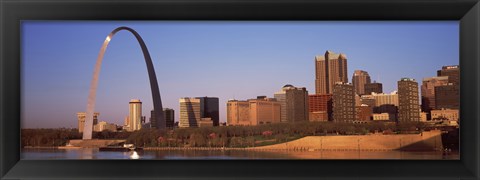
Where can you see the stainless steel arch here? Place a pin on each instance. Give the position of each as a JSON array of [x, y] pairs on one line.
[[157, 101]]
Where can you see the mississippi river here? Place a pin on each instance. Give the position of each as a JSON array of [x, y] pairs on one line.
[[91, 153]]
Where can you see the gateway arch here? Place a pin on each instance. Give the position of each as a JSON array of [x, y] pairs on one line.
[[157, 101]]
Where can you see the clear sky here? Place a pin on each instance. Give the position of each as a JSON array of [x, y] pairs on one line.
[[236, 59]]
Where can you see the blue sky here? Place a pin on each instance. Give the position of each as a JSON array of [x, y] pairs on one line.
[[225, 59]]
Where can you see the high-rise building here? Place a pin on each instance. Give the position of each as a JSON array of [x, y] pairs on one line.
[[359, 80], [428, 91], [189, 112], [294, 103], [447, 96], [209, 109], [238, 113], [453, 73], [330, 69], [408, 105], [81, 120], [262, 110], [135, 115], [373, 87], [169, 117], [320, 107], [343, 102]]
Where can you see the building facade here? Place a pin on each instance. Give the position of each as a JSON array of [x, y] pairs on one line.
[[135, 115], [320, 107], [445, 114], [383, 117], [104, 126], [169, 118], [343, 102], [428, 91], [189, 112], [81, 120], [453, 73], [205, 122], [447, 97], [262, 110], [373, 88], [209, 108], [363, 113], [408, 106], [238, 113], [294, 103], [359, 80], [330, 69]]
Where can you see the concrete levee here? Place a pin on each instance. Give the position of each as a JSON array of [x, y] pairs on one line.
[[426, 141], [94, 143]]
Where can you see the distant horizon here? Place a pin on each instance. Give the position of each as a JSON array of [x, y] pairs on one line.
[[228, 60]]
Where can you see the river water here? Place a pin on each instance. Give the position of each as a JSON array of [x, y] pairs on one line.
[[91, 153]]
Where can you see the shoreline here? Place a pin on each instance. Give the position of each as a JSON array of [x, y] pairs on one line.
[[236, 149]]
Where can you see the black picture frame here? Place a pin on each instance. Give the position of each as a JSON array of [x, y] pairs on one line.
[[12, 12]]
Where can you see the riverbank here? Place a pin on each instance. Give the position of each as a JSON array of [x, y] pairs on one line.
[[425, 141]]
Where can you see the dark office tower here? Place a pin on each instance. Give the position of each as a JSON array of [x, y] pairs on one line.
[[169, 118], [293, 102], [329, 69], [343, 102], [360, 79], [373, 87], [447, 97], [408, 106], [153, 123], [428, 91], [209, 109], [453, 73]]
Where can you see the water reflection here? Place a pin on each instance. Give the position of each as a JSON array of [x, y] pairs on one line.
[[228, 154], [134, 155]]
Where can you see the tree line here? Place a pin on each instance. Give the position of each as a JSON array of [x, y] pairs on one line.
[[222, 136]]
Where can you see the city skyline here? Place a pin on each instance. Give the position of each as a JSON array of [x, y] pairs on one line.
[[244, 81]]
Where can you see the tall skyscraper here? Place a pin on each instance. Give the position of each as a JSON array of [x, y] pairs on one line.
[[320, 107], [453, 73], [81, 120], [373, 87], [294, 103], [343, 102], [330, 69], [428, 91], [408, 105], [135, 115], [209, 109], [359, 80], [169, 118], [189, 112]]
